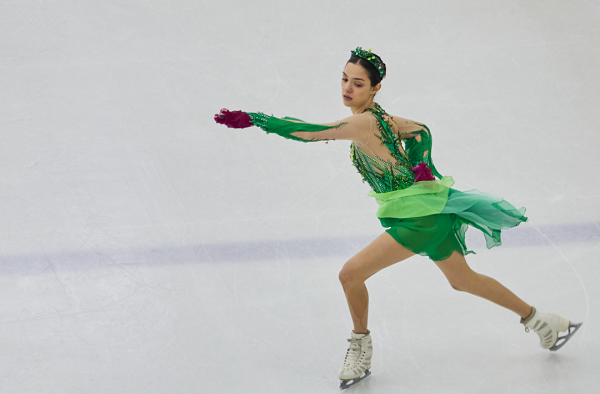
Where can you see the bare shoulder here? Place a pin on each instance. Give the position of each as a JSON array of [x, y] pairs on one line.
[[357, 123], [408, 128], [364, 118], [400, 121]]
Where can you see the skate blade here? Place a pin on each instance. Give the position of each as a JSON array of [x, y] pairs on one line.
[[345, 384], [563, 340]]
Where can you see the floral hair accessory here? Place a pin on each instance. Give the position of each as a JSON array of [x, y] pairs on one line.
[[423, 173], [371, 58], [233, 119]]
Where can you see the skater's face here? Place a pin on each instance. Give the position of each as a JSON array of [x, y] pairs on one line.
[[356, 86]]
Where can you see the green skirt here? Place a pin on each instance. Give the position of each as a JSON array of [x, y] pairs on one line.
[[431, 219]]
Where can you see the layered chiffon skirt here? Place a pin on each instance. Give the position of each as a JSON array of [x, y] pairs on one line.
[[431, 219]]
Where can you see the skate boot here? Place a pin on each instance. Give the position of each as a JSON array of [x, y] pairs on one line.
[[358, 360], [547, 326]]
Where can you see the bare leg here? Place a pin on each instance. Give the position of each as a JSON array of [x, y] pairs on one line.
[[463, 278], [379, 254]]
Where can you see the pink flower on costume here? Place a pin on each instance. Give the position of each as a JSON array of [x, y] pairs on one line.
[[233, 119], [423, 173]]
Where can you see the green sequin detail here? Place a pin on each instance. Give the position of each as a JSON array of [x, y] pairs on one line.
[[286, 126], [384, 176], [371, 58]]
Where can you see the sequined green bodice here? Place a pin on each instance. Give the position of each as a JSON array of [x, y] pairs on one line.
[[386, 176]]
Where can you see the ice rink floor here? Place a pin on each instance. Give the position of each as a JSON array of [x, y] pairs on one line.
[[145, 249]]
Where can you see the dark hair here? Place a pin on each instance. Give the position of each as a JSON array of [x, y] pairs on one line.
[[371, 70]]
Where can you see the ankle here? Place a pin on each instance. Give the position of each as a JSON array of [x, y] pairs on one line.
[[526, 318]]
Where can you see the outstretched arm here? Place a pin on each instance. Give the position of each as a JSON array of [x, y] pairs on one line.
[[352, 128]]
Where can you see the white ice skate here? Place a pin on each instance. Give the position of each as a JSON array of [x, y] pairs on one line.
[[358, 360], [547, 326]]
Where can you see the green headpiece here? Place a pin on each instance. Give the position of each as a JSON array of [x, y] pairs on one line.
[[371, 58]]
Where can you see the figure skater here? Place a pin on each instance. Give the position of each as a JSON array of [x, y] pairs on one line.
[[423, 215]]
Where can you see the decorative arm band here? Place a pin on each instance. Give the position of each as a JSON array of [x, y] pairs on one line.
[[280, 126], [286, 126]]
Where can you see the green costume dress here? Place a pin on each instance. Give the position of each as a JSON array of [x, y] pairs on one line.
[[426, 217]]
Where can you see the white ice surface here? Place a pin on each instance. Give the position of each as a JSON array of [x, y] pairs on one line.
[[145, 249]]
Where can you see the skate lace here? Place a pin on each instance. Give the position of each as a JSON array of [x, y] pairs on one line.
[[353, 353]]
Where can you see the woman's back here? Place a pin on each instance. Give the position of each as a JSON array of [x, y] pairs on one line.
[[379, 155]]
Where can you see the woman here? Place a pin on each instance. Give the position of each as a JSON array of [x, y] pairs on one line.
[[422, 215]]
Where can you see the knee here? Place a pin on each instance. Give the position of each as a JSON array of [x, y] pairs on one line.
[[345, 276], [349, 275], [457, 286], [464, 283]]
